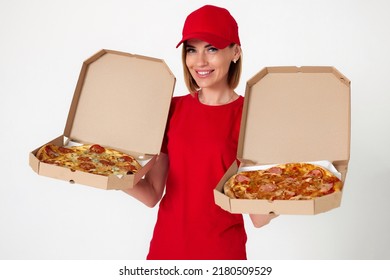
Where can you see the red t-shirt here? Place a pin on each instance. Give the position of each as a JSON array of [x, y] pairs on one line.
[[201, 142]]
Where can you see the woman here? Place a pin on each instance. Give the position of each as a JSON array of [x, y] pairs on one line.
[[200, 144]]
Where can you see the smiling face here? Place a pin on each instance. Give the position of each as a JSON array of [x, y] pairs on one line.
[[208, 65]]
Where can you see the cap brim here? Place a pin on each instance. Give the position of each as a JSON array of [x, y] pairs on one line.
[[215, 41]]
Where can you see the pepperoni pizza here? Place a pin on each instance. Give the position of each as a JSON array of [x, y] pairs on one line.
[[291, 181], [89, 158]]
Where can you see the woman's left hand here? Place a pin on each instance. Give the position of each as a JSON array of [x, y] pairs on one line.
[[260, 220]]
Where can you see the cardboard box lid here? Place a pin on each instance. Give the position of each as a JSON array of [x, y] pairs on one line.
[[296, 114], [122, 101]]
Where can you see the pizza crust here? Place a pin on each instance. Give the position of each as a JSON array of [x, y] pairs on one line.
[[228, 190]]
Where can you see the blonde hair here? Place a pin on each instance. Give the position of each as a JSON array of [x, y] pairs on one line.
[[234, 74]]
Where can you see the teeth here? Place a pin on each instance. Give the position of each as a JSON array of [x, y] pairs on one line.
[[203, 72]]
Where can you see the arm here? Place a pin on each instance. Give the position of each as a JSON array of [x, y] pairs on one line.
[[260, 220], [149, 190]]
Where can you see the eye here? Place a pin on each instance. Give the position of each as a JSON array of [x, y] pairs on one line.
[[190, 50], [212, 49]]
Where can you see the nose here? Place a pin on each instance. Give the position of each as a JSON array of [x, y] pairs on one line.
[[201, 59]]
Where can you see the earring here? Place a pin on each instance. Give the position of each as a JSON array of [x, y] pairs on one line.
[[234, 60]]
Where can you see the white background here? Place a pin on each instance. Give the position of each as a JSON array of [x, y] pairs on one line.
[[43, 44]]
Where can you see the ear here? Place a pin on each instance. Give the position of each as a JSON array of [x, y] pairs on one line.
[[236, 52]]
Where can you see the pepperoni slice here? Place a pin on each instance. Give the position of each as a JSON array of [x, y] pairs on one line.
[[84, 159], [129, 167], [275, 170], [315, 173], [64, 150], [327, 188], [97, 149], [126, 158], [50, 152], [267, 187], [106, 162], [332, 179], [87, 166], [242, 179]]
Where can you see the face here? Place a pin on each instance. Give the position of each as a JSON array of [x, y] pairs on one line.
[[208, 65]]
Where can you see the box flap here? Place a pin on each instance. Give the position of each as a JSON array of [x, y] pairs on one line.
[[121, 101], [294, 114]]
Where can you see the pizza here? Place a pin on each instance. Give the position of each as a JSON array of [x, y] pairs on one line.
[[89, 158], [291, 181]]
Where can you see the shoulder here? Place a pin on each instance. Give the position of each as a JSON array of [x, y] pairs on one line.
[[181, 98], [179, 103], [177, 100], [237, 104]]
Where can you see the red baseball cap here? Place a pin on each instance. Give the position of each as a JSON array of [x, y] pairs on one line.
[[214, 25]]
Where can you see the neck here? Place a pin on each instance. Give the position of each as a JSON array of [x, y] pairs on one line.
[[212, 98]]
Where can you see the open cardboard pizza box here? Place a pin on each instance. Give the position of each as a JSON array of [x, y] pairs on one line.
[[292, 114], [121, 101]]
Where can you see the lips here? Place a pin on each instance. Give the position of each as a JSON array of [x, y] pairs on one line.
[[203, 73]]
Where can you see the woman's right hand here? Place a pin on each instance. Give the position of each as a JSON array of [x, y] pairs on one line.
[[150, 189]]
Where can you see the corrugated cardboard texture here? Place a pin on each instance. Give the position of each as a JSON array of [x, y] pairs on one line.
[[121, 101]]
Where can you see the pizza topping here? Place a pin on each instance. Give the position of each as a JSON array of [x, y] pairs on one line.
[[295, 181], [315, 173], [289, 193], [243, 179], [64, 150], [89, 158], [50, 152], [97, 149], [275, 170], [126, 158], [106, 162], [325, 188], [250, 189], [267, 187], [130, 169], [87, 166], [84, 158]]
